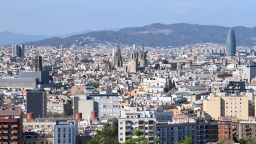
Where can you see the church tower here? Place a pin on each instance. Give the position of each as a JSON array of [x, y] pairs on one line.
[[142, 58], [117, 60], [134, 60]]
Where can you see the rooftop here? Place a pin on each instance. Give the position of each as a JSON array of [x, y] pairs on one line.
[[10, 112]]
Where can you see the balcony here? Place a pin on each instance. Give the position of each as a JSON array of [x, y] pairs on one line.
[[128, 123], [5, 137], [129, 129], [5, 131], [151, 122], [14, 137], [14, 126], [141, 122], [14, 131]]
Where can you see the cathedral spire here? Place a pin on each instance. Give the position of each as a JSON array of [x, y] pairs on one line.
[[117, 56]]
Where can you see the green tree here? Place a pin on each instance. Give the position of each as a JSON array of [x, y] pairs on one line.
[[187, 140], [221, 142], [95, 84], [106, 136], [139, 140], [248, 140]]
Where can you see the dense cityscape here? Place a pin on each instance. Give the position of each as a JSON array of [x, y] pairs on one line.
[[201, 93], [127, 72]]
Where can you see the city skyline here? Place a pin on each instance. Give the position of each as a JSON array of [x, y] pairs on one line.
[[63, 17], [127, 72]]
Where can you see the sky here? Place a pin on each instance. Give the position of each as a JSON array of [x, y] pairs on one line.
[[57, 17]]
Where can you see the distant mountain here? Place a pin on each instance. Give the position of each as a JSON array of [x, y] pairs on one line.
[[159, 35], [7, 38], [74, 33]]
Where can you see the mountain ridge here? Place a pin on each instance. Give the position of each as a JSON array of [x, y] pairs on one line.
[[158, 35]]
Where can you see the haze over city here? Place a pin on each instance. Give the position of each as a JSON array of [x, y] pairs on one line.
[[127, 72]]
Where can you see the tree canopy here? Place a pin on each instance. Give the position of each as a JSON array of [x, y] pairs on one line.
[[139, 140], [187, 140], [107, 135]]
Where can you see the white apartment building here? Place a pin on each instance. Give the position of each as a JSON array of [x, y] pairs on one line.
[[144, 121]]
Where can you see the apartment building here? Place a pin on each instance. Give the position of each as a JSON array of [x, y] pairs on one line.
[[10, 126]]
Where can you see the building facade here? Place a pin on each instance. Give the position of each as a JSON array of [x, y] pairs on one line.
[[65, 132], [37, 103], [106, 105], [11, 126], [18, 51], [231, 43], [227, 106]]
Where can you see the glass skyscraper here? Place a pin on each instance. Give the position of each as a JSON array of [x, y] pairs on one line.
[[231, 43]]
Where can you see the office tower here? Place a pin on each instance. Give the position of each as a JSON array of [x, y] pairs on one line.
[[37, 63], [18, 51], [11, 126], [134, 60], [65, 132], [231, 43], [37, 103], [117, 56]]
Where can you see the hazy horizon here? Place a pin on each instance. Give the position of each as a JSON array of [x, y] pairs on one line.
[[63, 16]]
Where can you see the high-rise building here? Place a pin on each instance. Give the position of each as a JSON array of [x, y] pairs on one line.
[[231, 43], [11, 126], [117, 56], [37, 103], [65, 132], [37, 64], [18, 51]]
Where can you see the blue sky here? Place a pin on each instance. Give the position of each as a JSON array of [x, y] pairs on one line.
[[55, 17]]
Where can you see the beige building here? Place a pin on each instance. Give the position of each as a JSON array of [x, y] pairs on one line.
[[228, 106]]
